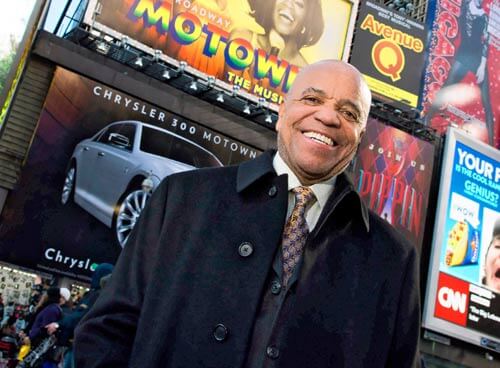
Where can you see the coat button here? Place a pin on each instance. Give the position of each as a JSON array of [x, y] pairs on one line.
[[272, 191], [272, 352], [245, 249], [275, 287], [220, 332]]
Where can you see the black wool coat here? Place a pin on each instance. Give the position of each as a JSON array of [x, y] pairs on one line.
[[182, 274]]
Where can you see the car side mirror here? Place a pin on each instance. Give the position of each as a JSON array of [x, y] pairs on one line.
[[119, 140]]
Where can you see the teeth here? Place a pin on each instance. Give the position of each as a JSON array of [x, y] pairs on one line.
[[287, 15], [319, 138]]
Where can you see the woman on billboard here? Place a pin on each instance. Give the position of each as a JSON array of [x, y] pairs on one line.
[[289, 25], [492, 260], [471, 56]]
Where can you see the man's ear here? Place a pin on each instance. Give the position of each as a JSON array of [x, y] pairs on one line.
[[362, 133], [281, 113]]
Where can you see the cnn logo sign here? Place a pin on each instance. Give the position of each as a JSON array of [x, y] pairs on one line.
[[452, 299]]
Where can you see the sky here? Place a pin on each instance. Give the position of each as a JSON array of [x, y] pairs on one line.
[[15, 15], [13, 19]]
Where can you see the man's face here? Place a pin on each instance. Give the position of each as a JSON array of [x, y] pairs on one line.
[[492, 265], [322, 120]]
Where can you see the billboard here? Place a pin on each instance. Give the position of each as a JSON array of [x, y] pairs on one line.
[[389, 51], [463, 287], [95, 153], [461, 78], [392, 173], [255, 44]]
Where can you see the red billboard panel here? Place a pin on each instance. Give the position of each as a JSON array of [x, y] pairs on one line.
[[461, 86], [452, 299]]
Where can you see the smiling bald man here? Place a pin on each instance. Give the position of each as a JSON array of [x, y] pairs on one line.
[[273, 263]]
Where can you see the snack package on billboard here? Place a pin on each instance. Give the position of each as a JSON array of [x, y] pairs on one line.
[[462, 246]]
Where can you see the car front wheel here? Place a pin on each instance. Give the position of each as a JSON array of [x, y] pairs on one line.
[[128, 214], [68, 189]]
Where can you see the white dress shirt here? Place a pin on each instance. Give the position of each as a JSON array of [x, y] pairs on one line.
[[321, 192]]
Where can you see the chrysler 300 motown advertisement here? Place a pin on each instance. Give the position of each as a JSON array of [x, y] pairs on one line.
[[97, 155], [256, 44], [463, 292], [393, 172], [462, 78]]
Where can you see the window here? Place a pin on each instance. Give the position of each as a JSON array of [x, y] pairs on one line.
[[119, 135], [161, 143]]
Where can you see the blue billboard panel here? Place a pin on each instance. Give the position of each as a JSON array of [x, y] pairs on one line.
[[472, 206], [463, 290]]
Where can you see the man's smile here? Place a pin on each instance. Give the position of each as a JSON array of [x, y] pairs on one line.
[[320, 138]]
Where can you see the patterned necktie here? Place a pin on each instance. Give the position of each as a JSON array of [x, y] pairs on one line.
[[295, 232]]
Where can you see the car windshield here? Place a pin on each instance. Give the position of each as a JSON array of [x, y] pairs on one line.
[[160, 143]]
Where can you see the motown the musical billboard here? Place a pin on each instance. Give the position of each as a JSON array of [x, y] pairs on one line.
[[256, 44], [389, 50], [461, 85]]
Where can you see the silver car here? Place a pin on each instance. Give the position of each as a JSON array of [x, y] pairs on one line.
[[112, 174]]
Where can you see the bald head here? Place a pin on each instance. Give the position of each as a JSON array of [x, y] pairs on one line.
[[330, 69]]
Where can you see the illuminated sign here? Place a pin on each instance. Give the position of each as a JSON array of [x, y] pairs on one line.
[[463, 288], [460, 84], [239, 54], [47, 227], [388, 50], [452, 299], [392, 173], [235, 41]]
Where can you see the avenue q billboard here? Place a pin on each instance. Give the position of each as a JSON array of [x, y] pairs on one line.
[[389, 51], [463, 287], [81, 189], [256, 44], [392, 173], [461, 86]]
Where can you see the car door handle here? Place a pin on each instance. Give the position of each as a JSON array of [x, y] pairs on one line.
[[86, 148], [100, 154]]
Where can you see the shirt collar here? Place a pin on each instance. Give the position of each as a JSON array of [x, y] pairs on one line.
[[321, 190], [252, 171]]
